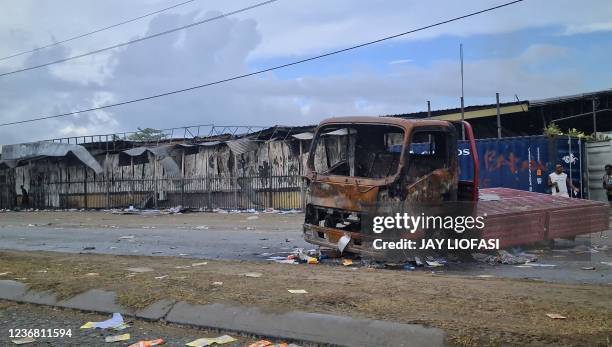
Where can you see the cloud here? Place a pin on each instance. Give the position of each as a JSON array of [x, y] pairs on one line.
[[588, 28], [227, 48], [400, 61]]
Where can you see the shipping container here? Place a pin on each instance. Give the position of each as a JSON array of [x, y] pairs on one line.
[[522, 162]]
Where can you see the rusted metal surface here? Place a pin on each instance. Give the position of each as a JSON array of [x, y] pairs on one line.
[[520, 217]]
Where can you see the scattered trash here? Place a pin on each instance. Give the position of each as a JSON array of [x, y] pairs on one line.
[[261, 343], [347, 262], [504, 257], [199, 264], [117, 338], [148, 343], [433, 263], [23, 340], [183, 267], [127, 237], [217, 284], [161, 277], [209, 341], [139, 269], [92, 274], [540, 265], [115, 321], [555, 316], [343, 242], [121, 327], [588, 268], [252, 274], [485, 276], [418, 261], [297, 291], [89, 248], [4, 273], [202, 227]]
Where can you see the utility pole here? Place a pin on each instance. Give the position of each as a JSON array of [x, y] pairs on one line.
[[428, 109], [594, 118], [499, 135], [462, 113]]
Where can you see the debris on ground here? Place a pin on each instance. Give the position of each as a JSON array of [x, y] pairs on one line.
[[555, 316], [261, 343], [343, 242], [217, 284], [209, 341], [139, 269], [347, 262], [4, 273], [121, 327], [148, 343], [433, 263], [504, 257], [252, 274], [89, 274], [202, 227], [297, 291], [115, 321], [199, 264], [89, 248], [161, 277], [23, 340], [588, 268], [117, 338]]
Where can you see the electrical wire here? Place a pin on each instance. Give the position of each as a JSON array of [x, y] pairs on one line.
[[264, 70], [139, 39], [97, 30]]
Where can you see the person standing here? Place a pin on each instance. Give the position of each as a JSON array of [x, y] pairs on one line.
[[607, 182], [558, 181], [25, 199]]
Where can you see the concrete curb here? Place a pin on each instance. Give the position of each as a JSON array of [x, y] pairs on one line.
[[295, 325]]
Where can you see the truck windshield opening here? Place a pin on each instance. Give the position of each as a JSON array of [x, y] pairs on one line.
[[354, 150]]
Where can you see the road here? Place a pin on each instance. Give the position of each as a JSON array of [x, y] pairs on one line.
[[257, 237]]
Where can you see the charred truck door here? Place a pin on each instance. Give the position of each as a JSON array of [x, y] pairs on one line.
[[357, 165]]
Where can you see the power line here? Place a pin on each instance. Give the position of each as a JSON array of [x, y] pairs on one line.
[[264, 70], [97, 30], [139, 39]]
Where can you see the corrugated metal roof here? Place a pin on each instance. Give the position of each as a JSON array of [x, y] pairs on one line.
[[242, 145]]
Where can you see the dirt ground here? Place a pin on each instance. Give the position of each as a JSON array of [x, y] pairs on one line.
[[473, 311]]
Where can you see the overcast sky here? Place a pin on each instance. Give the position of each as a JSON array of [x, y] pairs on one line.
[[533, 49]]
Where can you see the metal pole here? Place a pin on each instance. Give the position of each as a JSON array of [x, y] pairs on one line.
[[594, 119], [428, 109], [499, 135], [462, 114], [462, 119]]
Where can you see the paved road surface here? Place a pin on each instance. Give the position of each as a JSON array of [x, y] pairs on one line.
[[211, 244]]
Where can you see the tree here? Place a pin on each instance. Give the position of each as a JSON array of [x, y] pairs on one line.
[[147, 134]]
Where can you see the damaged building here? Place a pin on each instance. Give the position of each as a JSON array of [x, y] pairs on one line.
[[256, 170]]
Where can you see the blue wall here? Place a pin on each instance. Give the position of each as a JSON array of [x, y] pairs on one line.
[[521, 162]]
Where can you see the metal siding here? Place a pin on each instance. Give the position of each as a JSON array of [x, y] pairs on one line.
[[514, 162]]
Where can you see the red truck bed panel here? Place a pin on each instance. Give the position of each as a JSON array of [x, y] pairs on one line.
[[519, 217]]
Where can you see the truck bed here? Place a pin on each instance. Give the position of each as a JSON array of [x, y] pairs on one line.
[[517, 217]]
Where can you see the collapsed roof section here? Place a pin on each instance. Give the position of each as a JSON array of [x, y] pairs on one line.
[[162, 153], [12, 155]]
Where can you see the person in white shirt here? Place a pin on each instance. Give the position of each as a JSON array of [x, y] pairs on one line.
[[558, 181]]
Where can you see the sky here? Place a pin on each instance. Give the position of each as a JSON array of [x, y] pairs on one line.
[[530, 50]]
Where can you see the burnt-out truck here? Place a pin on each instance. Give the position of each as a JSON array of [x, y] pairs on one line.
[[359, 166]]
